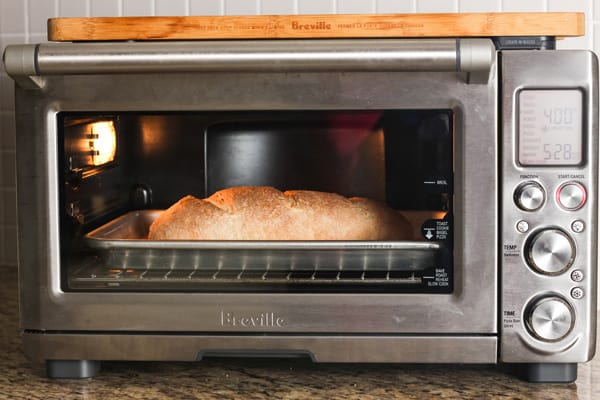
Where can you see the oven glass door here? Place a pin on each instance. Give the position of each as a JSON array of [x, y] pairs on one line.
[[122, 169]]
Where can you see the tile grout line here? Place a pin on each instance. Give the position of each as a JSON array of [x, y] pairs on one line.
[[26, 20]]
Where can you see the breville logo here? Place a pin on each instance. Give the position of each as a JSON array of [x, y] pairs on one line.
[[317, 25], [261, 320]]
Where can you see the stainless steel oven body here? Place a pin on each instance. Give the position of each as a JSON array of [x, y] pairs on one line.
[[501, 286]]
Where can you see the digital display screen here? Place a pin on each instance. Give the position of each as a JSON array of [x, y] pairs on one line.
[[550, 127]]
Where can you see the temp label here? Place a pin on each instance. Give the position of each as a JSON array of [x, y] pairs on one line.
[[511, 250]]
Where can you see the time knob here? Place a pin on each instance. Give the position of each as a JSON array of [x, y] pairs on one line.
[[550, 318], [550, 251]]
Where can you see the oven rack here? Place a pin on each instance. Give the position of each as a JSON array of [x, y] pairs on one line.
[[98, 276], [246, 267]]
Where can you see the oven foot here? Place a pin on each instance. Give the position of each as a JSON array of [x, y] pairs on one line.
[[72, 369], [545, 372]]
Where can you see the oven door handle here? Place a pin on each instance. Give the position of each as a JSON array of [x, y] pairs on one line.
[[28, 63]]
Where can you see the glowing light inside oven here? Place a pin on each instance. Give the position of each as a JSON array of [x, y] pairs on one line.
[[103, 142]]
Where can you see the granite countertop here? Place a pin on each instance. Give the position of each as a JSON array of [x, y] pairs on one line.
[[265, 379]]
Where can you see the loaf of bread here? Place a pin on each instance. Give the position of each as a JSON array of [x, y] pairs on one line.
[[265, 213]]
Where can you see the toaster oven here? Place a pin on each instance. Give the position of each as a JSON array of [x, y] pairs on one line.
[[490, 153]]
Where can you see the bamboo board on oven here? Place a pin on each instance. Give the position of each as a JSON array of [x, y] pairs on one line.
[[316, 26]]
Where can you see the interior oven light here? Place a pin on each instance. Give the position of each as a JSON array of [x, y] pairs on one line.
[[102, 142]]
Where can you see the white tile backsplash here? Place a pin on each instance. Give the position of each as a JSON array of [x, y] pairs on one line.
[[524, 5], [571, 5], [241, 7], [12, 16], [395, 7], [583, 42], [474, 6], [207, 7], [25, 21], [105, 8], [437, 6], [39, 12], [171, 7], [72, 8], [138, 8], [355, 7], [316, 6], [41, 37], [278, 7]]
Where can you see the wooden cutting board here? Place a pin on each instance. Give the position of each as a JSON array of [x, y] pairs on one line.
[[317, 26]]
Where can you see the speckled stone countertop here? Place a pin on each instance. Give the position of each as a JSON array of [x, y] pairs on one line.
[[265, 379]]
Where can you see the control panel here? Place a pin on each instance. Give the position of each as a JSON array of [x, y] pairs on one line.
[[549, 206]]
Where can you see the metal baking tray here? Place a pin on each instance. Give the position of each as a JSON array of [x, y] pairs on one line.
[[123, 243]]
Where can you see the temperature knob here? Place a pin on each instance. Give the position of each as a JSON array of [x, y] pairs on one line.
[[550, 251], [550, 319], [530, 196]]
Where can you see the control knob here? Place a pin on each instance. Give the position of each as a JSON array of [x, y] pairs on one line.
[[550, 319], [530, 196], [550, 252]]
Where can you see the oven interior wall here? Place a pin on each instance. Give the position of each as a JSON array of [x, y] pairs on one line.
[[164, 154], [401, 157]]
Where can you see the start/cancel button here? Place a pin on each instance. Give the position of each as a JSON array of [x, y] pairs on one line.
[[571, 196]]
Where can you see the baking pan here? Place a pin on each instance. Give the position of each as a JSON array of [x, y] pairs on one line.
[[123, 244]]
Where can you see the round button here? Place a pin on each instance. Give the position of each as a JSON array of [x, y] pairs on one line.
[[578, 226], [577, 275], [550, 252], [571, 196], [577, 293], [550, 319], [522, 226], [530, 196]]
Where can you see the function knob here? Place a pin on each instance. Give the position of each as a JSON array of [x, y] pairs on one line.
[[550, 251], [550, 319], [571, 196], [530, 196]]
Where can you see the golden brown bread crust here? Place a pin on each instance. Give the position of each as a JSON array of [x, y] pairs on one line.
[[265, 213]]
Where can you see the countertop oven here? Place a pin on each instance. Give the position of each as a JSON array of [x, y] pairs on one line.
[[491, 154]]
